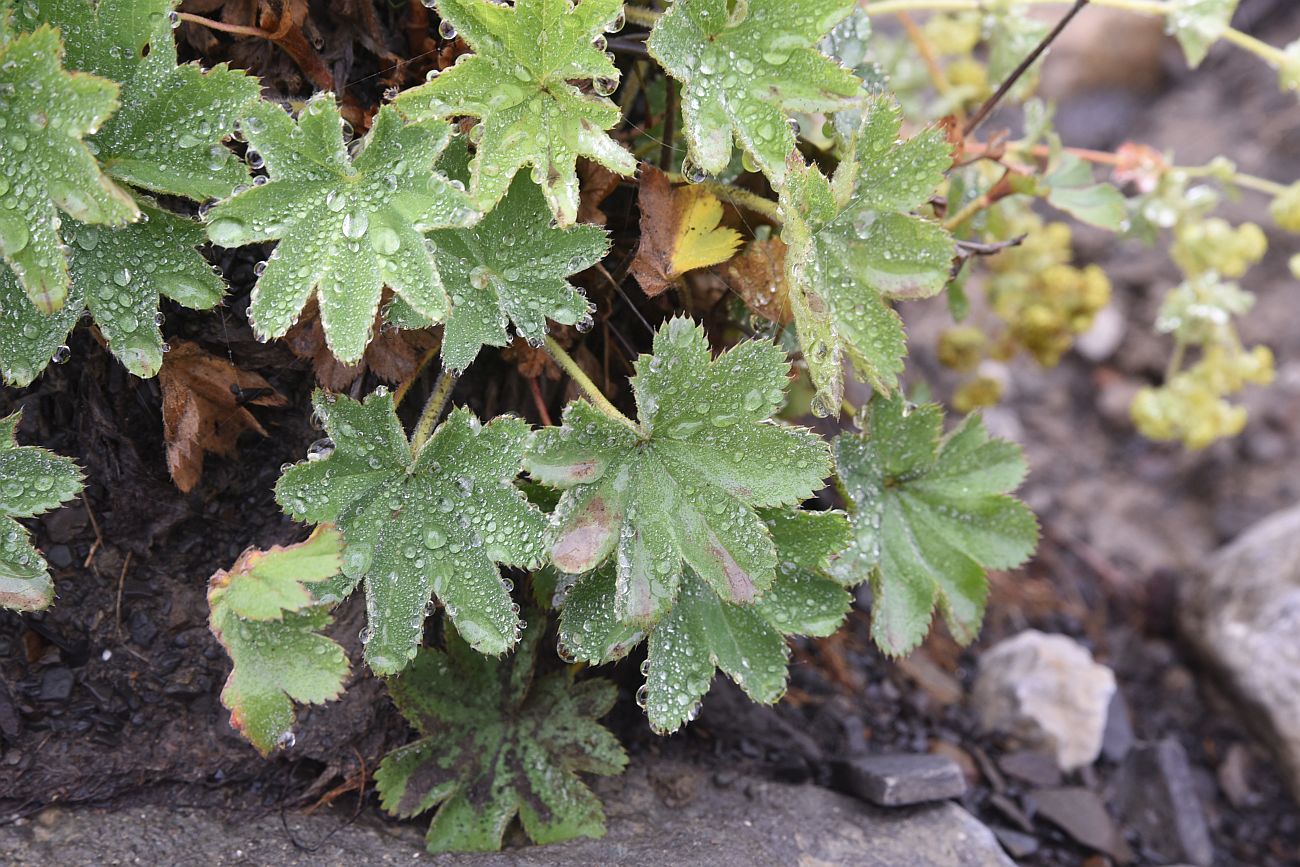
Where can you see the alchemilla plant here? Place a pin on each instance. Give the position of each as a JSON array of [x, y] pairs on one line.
[[828, 168]]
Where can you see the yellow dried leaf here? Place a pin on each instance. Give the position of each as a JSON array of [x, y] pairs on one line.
[[681, 230]]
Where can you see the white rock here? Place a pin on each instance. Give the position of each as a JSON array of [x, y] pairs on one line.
[[1100, 341], [1047, 691], [1243, 617]]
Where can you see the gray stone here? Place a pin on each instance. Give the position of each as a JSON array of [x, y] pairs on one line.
[[1017, 844], [1031, 766], [56, 684], [904, 779], [1080, 813], [750, 823], [1117, 738], [1047, 691], [1156, 794], [1242, 616]]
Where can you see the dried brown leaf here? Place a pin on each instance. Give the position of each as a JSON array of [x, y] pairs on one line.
[[393, 356], [758, 276], [204, 410]]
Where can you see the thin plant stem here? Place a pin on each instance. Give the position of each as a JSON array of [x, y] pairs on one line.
[[1022, 68], [970, 209], [765, 208], [580, 378], [433, 408], [238, 29]]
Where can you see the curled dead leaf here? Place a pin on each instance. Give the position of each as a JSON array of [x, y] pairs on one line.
[[204, 403]]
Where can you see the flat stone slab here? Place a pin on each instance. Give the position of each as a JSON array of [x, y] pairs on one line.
[[904, 779], [749, 823]]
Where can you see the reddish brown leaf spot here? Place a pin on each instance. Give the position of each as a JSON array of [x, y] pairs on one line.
[[740, 583], [584, 543]]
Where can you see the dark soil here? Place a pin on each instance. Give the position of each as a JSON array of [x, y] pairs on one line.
[[111, 697]]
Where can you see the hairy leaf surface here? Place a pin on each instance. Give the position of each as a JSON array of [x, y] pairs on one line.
[[32, 481], [519, 84], [498, 741], [166, 136], [684, 484], [45, 166], [744, 67], [265, 615], [347, 226], [854, 245], [510, 269], [421, 526], [703, 633], [930, 514]]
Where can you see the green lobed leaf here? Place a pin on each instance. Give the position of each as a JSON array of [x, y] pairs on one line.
[[166, 136], [510, 269], [32, 481], [118, 274], [268, 621], [930, 514], [744, 68], [854, 245], [421, 526], [703, 633], [45, 166], [1198, 24], [684, 484], [498, 741], [347, 226], [519, 84]]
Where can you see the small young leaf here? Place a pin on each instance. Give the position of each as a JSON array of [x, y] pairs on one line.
[[264, 584], [1070, 187], [348, 227], [497, 742], [702, 632], [166, 137], [432, 524], [680, 232], [854, 245], [45, 166], [1198, 24], [510, 268], [744, 67], [683, 485], [518, 84], [930, 515], [267, 620], [32, 481]]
